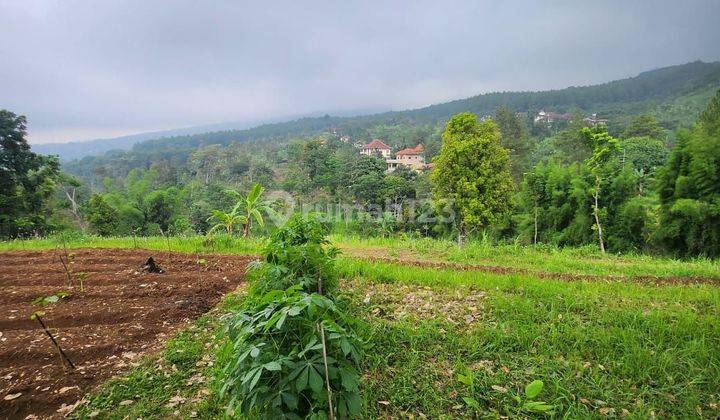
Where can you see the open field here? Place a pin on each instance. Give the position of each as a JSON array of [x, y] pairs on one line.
[[121, 315], [631, 336]]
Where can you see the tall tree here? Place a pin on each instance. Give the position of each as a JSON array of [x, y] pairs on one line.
[[604, 147], [513, 138], [103, 218], [27, 180], [570, 144], [644, 126], [472, 173], [689, 189], [710, 118]]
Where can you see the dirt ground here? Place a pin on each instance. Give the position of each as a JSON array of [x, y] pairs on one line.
[[122, 314]]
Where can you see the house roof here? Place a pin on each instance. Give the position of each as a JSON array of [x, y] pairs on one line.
[[417, 150], [376, 144]]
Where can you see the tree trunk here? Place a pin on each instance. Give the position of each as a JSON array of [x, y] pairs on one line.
[[75, 208], [596, 213], [461, 235], [246, 229], [536, 226]]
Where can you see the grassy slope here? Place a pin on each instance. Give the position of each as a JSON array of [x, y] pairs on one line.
[[600, 347]]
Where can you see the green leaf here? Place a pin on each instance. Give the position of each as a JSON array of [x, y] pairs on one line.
[[302, 380], [290, 400], [315, 380], [349, 380], [255, 379], [272, 366], [537, 406], [354, 404], [471, 402], [534, 388]]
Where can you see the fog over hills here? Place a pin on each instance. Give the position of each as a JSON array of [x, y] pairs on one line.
[[652, 91]]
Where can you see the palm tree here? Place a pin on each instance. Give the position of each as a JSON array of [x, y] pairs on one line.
[[244, 212]]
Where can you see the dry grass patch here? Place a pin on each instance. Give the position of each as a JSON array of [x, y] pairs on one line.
[[457, 306]]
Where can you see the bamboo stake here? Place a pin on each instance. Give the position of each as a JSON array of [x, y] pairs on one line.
[[327, 375], [63, 356]]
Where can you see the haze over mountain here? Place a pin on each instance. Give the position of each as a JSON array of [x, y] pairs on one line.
[[673, 94], [80, 69]]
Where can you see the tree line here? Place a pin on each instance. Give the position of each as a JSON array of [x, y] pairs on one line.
[[643, 189]]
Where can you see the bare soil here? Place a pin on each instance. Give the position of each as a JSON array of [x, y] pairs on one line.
[[122, 314]]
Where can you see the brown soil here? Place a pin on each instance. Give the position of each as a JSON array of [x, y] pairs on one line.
[[122, 314]]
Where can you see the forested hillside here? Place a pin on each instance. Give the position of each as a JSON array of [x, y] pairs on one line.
[[568, 177], [673, 95]]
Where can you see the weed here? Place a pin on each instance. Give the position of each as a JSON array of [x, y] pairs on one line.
[[47, 300]]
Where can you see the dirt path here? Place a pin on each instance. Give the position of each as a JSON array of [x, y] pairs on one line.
[[122, 315]]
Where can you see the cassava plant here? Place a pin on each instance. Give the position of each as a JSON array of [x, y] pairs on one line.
[[295, 354]]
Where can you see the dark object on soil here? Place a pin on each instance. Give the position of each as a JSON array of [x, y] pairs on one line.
[[151, 267]]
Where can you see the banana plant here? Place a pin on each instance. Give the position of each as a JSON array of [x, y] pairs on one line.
[[246, 210]]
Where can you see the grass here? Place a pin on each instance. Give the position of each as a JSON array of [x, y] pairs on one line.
[[581, 261], [188, 244], [602, 348]]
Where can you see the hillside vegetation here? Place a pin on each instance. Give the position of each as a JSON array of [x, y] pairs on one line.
[[674, 95], [460, 343]]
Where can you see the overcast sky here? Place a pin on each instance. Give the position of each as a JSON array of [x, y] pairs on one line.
[[102, 68]]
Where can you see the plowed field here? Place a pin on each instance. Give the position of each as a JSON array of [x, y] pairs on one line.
[[122, 314]]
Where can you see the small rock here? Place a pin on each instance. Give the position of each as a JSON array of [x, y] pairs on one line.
[[126, 402], [9, 397]]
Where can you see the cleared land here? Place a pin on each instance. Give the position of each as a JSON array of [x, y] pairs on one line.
[[609, 335], [122, 315]]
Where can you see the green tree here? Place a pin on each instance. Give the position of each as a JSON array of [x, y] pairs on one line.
[[710, 118], [27, 180], [472, 173], [604, 148], [103, 218], [513, 138], [570, 144], [689, 190], [645, 154], [644, 126]]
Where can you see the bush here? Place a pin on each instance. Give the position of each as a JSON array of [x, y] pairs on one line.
[[295, 354]]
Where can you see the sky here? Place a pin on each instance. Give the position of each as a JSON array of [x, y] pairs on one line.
[[83, 69]]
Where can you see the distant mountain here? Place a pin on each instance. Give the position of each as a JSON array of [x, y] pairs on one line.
[[675, 95], [78, 149]]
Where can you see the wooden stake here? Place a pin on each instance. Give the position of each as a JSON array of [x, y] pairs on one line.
[[63, 357], [327, 376]]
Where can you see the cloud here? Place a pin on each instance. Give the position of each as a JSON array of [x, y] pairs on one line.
[[81, 67]]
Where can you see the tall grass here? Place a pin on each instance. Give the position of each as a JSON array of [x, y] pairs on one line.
[[586, 260]]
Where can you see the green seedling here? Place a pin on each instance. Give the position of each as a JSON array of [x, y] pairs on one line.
[[81, 276], [527, 402], [47, 300], [469, 380]]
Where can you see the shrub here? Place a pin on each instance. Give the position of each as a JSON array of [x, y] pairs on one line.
[[295, 354]]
